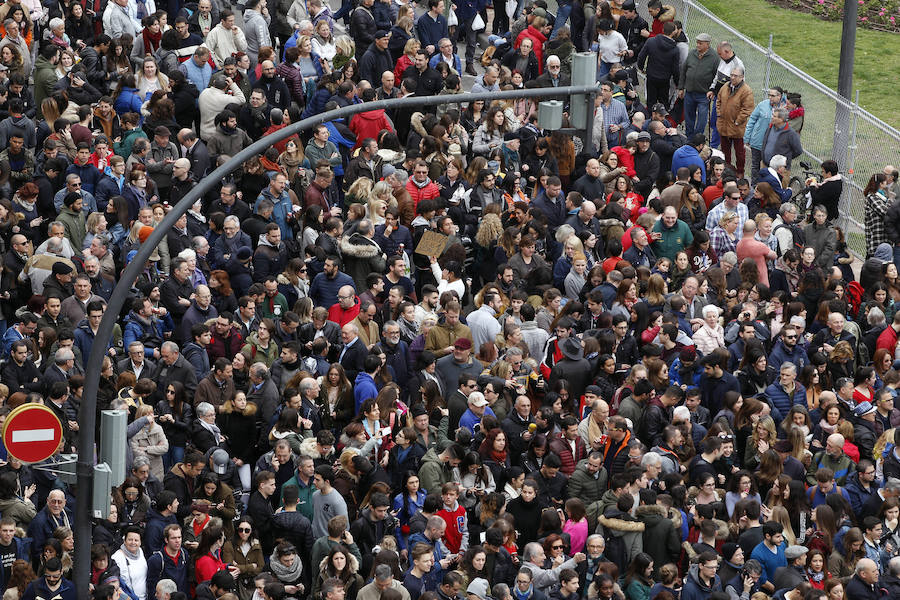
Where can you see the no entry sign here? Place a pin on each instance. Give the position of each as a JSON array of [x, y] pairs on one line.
[[32, 433]]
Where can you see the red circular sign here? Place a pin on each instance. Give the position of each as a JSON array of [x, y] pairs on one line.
[[32, 433]]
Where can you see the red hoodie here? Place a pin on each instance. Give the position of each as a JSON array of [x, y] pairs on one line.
[[626, 159], [538, 40], [368, 125]]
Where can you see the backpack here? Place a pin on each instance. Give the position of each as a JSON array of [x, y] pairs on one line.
[[854, 294], [799, 238]]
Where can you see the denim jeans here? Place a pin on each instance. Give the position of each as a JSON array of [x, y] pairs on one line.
[[714, 139], [562, 15], [696, 113], [174, 456]]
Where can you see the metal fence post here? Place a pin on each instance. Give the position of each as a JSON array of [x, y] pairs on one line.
[[851, 159], [769, 53]]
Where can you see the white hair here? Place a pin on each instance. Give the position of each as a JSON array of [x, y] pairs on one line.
[[777, 161]]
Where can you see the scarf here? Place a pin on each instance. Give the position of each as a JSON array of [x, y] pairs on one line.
[[422, 184], [813, 576], [213, 429], [829, 429], [500, 457], [151, 40], [594, 430], [520, 595], [285, 574], [199, 525], [197, 216], [133, 556]]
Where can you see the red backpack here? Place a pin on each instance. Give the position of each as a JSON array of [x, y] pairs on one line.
[[854, 294]]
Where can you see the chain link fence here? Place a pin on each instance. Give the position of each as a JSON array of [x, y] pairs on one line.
[[833, 127]]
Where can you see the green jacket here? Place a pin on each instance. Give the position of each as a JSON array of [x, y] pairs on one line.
[[74, 224], [123, 148], [433, 472], [305, 505], [843, 467], [25, 174], [673, 239], [45, 78], [697, 74]]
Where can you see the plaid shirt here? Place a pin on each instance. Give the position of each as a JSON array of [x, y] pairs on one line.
[[876, 207], [720, 241]]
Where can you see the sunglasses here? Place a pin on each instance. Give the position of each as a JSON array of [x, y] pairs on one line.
[[244, 529], [556, 547]]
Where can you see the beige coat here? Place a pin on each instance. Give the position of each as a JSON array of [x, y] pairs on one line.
[[152, 444], [733, 110]]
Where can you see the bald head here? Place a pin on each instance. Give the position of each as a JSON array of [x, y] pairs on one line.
[[749, 227], [346, 296]]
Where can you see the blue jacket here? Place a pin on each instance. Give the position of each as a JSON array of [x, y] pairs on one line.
[[712, 391], [780, 401], [198, 358], [153, 532], [130, 101], [431, 31], [399, 508], [561, 268], [38, 589], [757, 124], [164, 567], [335, 137], [363, 388], [106, 188], [136, 331], [400, 360], [439, 554], [858, 494], [323, 291], [283, 208], [554, 211], [199, 76], [317, 102], [457, 64], [41, 529], [695, 589], [469, 419], [780, 355], [84, 338], [686, 156], [90, 175], [675, 375], [766, 175]]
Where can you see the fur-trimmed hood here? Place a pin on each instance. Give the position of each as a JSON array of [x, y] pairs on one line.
[[352, 563], [619, 526], [359, 246], [647, 510], [667, 13], [416, 121], [308, 448], [248, 411]]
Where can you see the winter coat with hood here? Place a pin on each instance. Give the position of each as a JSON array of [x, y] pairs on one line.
[[368, 125], [249, 564], [433, 472], [660, 57], [45, 78], [362, 256], [229, 142], [589, 488], [538, 40], [661, 540], [618, 524], [734, 108], [353, 581], [823, 239], [259, 354]]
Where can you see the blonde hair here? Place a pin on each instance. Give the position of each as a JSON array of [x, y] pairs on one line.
[[769, 425], [489, 231], [780, 515], [344, 45], [728, 216], [92, 221], [412, 46], [360, 189]]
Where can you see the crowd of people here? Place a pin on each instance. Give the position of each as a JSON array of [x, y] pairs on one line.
[[439, 353]]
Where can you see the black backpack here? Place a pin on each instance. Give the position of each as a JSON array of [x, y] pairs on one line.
[[799, 238]]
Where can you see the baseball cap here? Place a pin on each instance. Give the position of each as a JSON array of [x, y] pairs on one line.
[[220, 461], [703, 37], [660, 108]]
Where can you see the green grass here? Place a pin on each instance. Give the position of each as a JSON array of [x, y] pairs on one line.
[[814, 46]]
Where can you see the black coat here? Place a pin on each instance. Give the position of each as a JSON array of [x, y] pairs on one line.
[[660, 58], [354, 359], [576, 372], [263, 518], [375, 62]]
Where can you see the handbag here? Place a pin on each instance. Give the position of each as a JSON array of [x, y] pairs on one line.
[[477, 22]]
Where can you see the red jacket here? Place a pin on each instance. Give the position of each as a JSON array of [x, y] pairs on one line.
[[368, 125], [429, 191], [403, 63], [538, 40], [341, 316], [456, 526], [887, 340], [220, 347], [563, 449], [626, 159]]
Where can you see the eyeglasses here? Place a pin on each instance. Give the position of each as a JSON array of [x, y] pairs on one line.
[[790, 337]]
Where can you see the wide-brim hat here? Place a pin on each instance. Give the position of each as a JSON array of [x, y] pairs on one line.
[[571, 349]]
